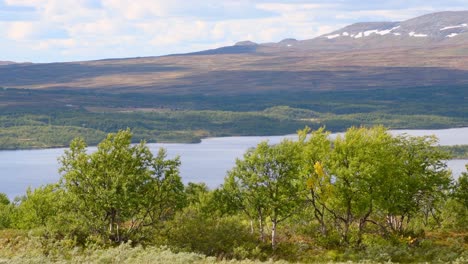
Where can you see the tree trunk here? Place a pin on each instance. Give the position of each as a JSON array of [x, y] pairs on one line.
[[262, 232], [251, 227], [347, 223], [345, 233], [111, 222], [323, 225], [273, 233], [362, 224], [113, 234], [319, 214]]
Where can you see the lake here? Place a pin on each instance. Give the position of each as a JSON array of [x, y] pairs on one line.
[[206, 162]]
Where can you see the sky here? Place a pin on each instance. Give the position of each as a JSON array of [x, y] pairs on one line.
[[74, 30]]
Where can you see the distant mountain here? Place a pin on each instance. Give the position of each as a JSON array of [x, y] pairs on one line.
[[6, 62], [437, 28], [430, 50], [442, 28], [238, 48]]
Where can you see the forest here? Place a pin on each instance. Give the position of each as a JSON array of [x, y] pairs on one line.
[[365, 196], [27, 122]]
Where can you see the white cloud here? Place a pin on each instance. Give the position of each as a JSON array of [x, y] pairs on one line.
[[293, 8], [98, 28], [136, 10], [56, 44], [91, 29], [20, 30], [385, 14], [176, 31]]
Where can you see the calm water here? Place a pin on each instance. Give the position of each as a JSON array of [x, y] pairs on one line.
[[205, 162]]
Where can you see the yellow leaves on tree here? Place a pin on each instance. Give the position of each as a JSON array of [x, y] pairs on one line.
[[316, 178], [319, 181], [318, 168]]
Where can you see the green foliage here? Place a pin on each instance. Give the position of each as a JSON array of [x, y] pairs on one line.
[[196, 193], [364, 181], [461, 188], [38, 207], [454, 215], [33, 131], [223, 237], [420, 180], [364, 196], [457, 151], [5, 211], [360, 162], [455, 209], [266, 184], [121, 189], [4, 199], [41, 136], [188, 118]]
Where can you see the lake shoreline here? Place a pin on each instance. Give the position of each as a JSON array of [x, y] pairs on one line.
[[200, 141], [207, 161]]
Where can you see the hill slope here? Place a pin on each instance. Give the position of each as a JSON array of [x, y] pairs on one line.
[[410, 74], [424, 51]]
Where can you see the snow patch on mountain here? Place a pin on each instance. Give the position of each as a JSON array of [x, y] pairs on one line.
[[452, 27], [432, 28], [388, 31], [366, 33], [333, 36], [414, 34]]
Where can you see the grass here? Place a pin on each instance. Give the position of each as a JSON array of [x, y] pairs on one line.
[[25, 247]]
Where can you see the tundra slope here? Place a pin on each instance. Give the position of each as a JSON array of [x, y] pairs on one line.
[[410, 74], [431, 50]]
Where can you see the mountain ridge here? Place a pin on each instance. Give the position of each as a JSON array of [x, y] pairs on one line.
[[378, 58], [6, 62]]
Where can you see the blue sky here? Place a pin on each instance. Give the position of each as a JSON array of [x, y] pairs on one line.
[[71, 30]]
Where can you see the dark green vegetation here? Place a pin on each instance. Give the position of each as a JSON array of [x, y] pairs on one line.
[[457, 151], [396, 80], [39, 118], [366, 195]]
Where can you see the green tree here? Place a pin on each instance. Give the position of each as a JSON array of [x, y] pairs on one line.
[[121, 188], [38, 207], [266, 183], [194, 231], [5, 211], [4, 199], [455, 210], [367, 176], [461, 188], [316, 150], [418, 182], [359, 166], [196, 192]]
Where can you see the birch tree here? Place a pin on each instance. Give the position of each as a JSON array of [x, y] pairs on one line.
[[121, 188]]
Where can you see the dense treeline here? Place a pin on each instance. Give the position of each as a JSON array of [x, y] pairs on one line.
[[457, 151], [56, 129], [24, 117], [364, 195], [403, 100]]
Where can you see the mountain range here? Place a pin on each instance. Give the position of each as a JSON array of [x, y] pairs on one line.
[[429, 50], [6, 62], [410, 74]]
